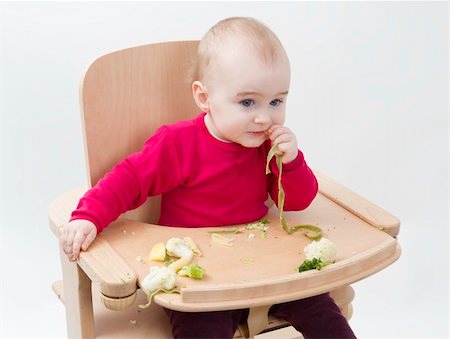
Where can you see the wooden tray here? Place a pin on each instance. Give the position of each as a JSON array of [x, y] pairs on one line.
[[260, 271], [253, 272]]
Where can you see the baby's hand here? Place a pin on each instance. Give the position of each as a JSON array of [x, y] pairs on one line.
[[286, 142], [77, 235]]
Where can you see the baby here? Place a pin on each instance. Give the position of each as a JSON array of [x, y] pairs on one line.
[[210, 171]]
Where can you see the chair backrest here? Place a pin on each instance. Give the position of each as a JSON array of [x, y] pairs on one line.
[[126, 95]]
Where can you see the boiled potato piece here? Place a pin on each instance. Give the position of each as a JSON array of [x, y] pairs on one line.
[[158, 252]]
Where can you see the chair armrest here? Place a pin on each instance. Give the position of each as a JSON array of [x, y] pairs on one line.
[[104, 266], [60, 209], [356, 204]]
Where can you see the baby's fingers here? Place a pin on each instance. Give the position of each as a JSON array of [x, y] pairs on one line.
[[76, 246], [66, 241], [83, 238], [89, 239]]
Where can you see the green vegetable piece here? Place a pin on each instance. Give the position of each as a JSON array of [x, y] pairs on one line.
[[310, 231], [270, 155], [192, 271], [312, 264], [260, 226], [151, 295], [233, 230]]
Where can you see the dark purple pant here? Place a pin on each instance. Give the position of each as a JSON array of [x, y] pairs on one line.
[[315, 317]]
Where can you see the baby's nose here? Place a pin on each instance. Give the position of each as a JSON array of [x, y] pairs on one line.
[[263, 118]]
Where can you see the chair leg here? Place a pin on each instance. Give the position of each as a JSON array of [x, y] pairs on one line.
[[257, 321], [343, 297], [77, 300], [347, 311]]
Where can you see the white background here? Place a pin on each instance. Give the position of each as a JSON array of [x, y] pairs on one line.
[[368, 102]]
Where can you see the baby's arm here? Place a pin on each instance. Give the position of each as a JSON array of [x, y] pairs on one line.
[[77, 235], [147, 172]]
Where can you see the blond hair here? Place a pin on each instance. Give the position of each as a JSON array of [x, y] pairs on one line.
[[249, 30]]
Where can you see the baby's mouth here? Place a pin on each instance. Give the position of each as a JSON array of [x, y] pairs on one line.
[[258, 133], [264, 134]]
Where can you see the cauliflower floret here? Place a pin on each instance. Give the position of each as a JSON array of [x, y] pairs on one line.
[[323, 249], [159, 277], [177, 247]]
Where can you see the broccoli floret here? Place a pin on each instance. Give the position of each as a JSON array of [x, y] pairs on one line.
[[312, 264], [192, 271]]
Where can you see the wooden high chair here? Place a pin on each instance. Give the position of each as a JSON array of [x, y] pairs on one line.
[[125, 97]]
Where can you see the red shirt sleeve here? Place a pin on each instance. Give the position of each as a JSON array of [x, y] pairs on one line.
[[152, 171], [299, 183]]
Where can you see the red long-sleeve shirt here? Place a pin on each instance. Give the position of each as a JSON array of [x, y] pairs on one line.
[[202, 181]]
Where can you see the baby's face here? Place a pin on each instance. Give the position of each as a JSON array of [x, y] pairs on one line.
[[246, 96]]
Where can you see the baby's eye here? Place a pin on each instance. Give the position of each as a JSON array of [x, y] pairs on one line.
[[247, 102], [276, 102]]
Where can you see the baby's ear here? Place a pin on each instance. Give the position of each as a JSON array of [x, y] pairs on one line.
[[200, 95]]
